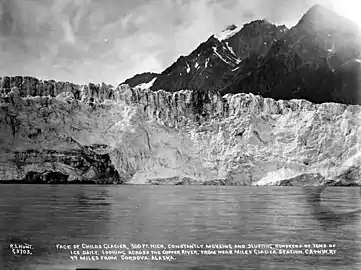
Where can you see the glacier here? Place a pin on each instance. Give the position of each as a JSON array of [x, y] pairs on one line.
[[123, 135]]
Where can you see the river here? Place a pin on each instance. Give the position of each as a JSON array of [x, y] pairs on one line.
[[45, 216]]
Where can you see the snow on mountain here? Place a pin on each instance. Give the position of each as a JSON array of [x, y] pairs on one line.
[[220, 56], [188, 68], [147, 85], [227, 33], [230, 48], [316, 59], [206, 63], [213, 63]]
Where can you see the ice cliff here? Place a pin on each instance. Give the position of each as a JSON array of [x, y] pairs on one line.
[[62, 132]]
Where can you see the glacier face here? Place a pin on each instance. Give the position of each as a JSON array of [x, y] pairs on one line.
[[132, 135]]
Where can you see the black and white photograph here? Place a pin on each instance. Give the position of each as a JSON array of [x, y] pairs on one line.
[[180, 134]]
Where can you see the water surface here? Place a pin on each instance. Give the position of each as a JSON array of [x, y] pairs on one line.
[[46, 215]]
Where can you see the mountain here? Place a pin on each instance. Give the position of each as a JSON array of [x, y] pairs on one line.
[[317, 60], [214, 61]]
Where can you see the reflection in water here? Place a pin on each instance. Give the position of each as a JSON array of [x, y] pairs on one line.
[[325, 215], [50, 215], [100, 200], [344, 226]]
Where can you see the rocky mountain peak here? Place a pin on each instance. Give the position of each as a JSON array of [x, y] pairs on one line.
[[215, 60], [227, 33], [314, 60], [320, 18], [255, 37], [317, 9], [257, 23]]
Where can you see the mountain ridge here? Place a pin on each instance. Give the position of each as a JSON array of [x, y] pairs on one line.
[[274, 61], [213, 59]]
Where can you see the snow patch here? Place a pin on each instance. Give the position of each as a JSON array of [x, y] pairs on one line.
[[230, 49], [220, 56], [235, 69], [147, 85], [233, 57], [188, 68], [226, 34], [196, 65], [206, 64]]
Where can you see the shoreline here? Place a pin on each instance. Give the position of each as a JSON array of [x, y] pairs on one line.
[[91, 183]]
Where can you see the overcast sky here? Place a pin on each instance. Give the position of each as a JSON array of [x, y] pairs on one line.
[[110, 40]]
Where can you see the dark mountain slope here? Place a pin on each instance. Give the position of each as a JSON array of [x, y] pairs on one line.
[[214, 62], [317, 60]]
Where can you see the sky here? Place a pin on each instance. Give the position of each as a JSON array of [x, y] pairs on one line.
[[84, 41]]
